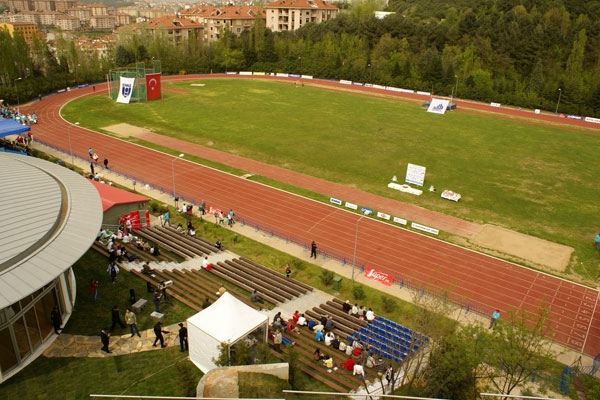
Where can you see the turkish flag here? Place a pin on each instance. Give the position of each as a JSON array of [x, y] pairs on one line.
[[153, 87]]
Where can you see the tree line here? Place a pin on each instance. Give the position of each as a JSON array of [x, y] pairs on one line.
[[523, 53]]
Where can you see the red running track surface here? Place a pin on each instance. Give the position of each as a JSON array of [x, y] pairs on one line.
[[469, 278]]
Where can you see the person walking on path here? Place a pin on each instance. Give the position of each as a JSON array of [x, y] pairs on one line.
[[183, 337], [105, 338], [313, 250], [494, 319], [56, 320], [106, 163], [91, 152], [158, 332], [116, 318], [131, 320], [597, 242]]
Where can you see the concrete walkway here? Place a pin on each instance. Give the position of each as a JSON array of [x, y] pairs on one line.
[[90, 346]]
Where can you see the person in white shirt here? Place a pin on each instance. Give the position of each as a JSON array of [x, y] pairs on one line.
[[370, 315], [301, 320], [205, 262], [358, 371], [329, 336]]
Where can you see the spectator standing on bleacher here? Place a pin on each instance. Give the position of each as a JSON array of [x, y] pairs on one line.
[[166, 219], [277, 340]]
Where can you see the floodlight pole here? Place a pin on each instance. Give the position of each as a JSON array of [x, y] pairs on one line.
[[355, 245], [558, 102], [17, 91], [454, 89], [173, 172], [71, 147]]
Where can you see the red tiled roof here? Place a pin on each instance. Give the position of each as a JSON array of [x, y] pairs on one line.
[[171, 21], [112, 196], [227, 12], [303, 4]]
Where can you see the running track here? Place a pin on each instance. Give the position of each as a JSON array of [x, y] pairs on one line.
[[467, 277]]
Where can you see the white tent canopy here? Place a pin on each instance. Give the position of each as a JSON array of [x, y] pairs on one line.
[[227, 320]]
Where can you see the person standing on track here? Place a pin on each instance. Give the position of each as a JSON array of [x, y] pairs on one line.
[[313, 250]]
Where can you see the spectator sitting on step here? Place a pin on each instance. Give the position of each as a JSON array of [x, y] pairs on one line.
[[180, 228], [155, 251], [329, 324], [347, 307], [329, 336], [361, 312], [221, 290], [296, 316], [318, 327], [354, 310], [348, 364], [301, 320], [278, 324], [218, 244], [290, 327], [370, 315], [318, 355], [311, 324], [328, 361], [319, 335], [335, 343], [359, 371], [255, 298]]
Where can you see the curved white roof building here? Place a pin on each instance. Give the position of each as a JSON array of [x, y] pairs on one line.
[[50, 217]]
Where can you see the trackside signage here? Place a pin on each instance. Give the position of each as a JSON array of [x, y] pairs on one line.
[[379, 276]]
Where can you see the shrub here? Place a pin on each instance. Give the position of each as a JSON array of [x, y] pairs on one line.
[[326, 277], [296, 264], [358, 292], [388, 304]]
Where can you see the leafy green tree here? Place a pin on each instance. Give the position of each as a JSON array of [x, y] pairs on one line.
[[123, 57], [453, 365], [518, 349]]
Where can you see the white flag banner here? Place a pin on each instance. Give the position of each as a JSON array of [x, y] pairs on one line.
[[125, 89], [438, 106]]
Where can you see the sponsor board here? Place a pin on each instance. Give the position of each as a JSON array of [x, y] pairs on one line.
[[335, 201], [307, 76], [246, 73], [438, 106], [351, 206], [424, 228], [400, 221], [383, 215], [495, 105], [415, 174], [592, 119], [450, 195], [344, 82], [366, 211], [379, 276], [419, 92]]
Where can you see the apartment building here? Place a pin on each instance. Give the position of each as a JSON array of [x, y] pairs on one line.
[[214, 19], [289, 15]]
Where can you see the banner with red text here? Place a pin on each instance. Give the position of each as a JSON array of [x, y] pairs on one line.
[[379, 276], [134, 218], [153, 91]]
